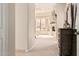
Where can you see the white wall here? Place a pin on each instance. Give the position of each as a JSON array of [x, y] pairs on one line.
[[77, 27], [11, 29], [14, 27], [24, 25], [0, 29], [7, 29], [31, 24], [60, 10], [21, 26]]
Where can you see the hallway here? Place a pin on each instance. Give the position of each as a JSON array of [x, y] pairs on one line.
[[44, 46], [44, 41]]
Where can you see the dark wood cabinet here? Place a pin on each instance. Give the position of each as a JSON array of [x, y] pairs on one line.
[[67, 42]]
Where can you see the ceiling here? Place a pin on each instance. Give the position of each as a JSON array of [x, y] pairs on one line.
[[47, 6], [44, 8]]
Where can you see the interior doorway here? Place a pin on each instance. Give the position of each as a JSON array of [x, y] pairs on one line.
[[46, 18], [46, 29], [36, 31]]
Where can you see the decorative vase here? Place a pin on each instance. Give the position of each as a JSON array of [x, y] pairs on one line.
[[66, 24]]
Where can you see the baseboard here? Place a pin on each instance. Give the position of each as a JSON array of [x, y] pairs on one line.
[[19, 50]]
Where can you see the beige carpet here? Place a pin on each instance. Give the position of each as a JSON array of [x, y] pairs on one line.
[[50, 51], [44, 46]]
